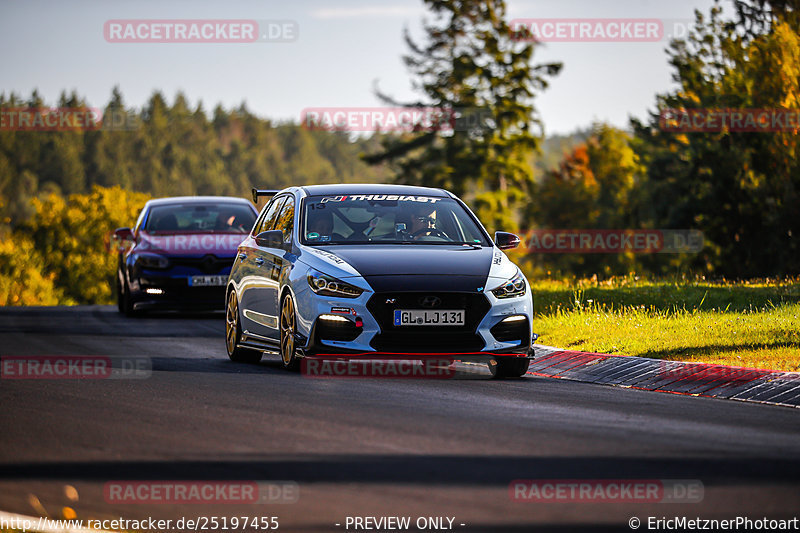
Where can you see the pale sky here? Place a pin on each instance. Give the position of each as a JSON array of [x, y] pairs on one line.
[[342, 49]]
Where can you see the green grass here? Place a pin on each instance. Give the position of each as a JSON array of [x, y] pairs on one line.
[[753, 324]]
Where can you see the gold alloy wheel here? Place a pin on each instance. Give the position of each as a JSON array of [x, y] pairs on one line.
[[231, 322], [287, 330]]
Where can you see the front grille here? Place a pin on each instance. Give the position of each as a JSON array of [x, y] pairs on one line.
[[517, 331], [428, 339], [209, 264]]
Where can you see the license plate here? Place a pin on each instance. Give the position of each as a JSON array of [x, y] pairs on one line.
[[419, 317], [207, 281]]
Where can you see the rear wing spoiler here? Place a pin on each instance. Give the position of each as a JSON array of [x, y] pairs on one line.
[[257, 193]]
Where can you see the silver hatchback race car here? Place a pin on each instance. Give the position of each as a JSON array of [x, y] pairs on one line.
[[376, 269]]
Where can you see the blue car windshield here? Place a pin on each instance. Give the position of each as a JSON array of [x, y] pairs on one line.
[[223, 217], [388, 219]]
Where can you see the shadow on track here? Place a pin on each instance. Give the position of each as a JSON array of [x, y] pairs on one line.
[[215, 366], [441, 470], [106, 321]]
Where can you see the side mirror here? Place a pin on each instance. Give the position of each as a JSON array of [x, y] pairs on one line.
[[123, 234], [270, 239], [506, 241]]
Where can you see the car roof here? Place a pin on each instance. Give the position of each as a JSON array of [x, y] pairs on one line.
[[371, 188], [198, 200]]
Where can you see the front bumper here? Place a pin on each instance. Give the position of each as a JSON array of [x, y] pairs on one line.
[[369, 328], [174, 293]]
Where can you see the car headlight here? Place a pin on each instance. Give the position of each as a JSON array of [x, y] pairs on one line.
[[326, 285], [152, 261], [511, 288]]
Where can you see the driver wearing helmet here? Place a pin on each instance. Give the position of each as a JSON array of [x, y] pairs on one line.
[[423, 223]]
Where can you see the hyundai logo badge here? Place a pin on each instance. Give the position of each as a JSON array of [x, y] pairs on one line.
[[430, 301]]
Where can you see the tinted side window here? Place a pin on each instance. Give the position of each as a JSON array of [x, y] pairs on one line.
[[286, 220], [259, 220], [267, 220]]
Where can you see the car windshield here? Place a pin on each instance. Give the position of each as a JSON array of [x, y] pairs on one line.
[[387, 219], [200, 218]]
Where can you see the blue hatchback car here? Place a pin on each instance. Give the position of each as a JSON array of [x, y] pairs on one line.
[[180, 252], [376, 269]]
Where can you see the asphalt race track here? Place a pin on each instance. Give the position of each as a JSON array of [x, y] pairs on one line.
[[363, 447]]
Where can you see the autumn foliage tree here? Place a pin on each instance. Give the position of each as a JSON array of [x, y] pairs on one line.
[[23, 276], [71, 235], [593, 187]]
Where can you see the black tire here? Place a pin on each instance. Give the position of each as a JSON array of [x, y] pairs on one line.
[[127, 302], [511, 367], [120, 300], [233, 334], [288, 328]]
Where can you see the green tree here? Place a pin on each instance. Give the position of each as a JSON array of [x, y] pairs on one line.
[[109, 152], [472, 61], [740, 188]]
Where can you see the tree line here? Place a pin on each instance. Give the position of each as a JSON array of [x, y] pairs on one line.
[[168, 150]]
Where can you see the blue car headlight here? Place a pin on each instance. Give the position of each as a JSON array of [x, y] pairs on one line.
[[512, 288], [152, 261], [326, 285]]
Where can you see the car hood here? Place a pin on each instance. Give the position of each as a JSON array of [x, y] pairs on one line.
[[417, 267], [187, 244]]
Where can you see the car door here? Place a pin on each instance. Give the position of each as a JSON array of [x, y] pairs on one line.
[[276, 260], [283, 259], [258, 292]]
